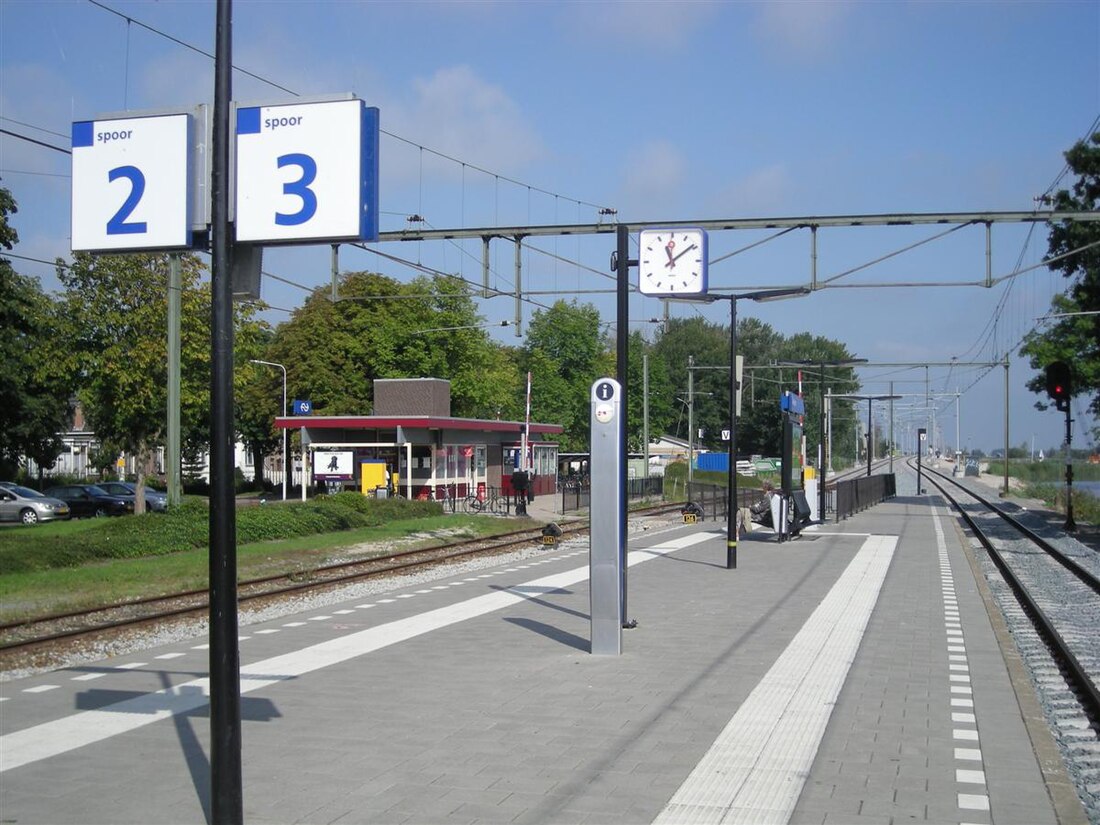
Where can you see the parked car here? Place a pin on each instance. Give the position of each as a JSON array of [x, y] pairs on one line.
[[90, 500], [155, 500], [29, 506]]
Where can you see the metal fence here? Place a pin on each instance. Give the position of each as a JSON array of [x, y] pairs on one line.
[[576, 495], [713, 498], [860, 493]]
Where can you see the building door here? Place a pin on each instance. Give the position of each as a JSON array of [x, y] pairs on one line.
[[479, 470]]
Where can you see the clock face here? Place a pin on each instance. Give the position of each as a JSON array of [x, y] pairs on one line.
[[672, 262]]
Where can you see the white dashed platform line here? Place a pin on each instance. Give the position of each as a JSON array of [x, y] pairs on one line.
[[755, 770], [68, 733], [971, 794]]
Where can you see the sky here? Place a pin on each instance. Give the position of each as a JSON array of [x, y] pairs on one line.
[[529, 113]]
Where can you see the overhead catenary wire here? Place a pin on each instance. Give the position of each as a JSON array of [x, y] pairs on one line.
[[293, 93]]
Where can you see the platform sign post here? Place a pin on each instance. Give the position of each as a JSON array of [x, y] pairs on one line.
[[307, 172], [607, 538], [131, 183]]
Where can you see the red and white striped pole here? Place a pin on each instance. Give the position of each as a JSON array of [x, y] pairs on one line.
[[525, 460]]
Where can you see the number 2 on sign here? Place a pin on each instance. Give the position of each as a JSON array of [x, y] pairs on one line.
[[117, 225], [300, 188]]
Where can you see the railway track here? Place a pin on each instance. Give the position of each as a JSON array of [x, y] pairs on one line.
[[1048, 586], [34, 638]]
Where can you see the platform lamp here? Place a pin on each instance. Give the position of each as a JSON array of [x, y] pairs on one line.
[[821, 458], [710, 298], [286, 469]]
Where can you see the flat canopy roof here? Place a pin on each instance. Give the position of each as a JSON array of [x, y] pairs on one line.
[[411, 422]]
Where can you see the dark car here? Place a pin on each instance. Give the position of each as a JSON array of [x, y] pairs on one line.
[[90, 500], [155, 500]]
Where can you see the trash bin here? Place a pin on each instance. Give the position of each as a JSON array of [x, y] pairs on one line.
[[381, 492]]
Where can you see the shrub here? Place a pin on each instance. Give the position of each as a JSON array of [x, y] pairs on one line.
[[187, 528]]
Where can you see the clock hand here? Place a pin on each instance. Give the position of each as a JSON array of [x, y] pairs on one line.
[[682, 254], [668, 249]]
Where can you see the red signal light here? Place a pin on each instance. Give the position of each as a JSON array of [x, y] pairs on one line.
[[1059, 381]]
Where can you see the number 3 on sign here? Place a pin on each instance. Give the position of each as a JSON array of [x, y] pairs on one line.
[[300, 188]]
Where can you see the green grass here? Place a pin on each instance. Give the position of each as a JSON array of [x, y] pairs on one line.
[[1086, 507], [173, 565], [1045, 480]]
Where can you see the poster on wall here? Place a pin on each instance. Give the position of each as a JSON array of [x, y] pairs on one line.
[[334, 465]]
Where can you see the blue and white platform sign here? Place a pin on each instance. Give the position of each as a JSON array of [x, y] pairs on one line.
[[130, 185], [302, 407], [307, 172]]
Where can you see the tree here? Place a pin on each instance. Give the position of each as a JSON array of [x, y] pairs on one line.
[[382, 328], [759, 428], [708, 344], [566, 351], [35, 390], [1074, 338], [662, 410], [258, 398], [116, 307]]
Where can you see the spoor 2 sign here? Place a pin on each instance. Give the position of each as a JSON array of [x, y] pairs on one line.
[[130, 186], [307, 172]]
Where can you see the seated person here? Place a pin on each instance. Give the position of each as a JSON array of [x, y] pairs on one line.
[[761, 510]]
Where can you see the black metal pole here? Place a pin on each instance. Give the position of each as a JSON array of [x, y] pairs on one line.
[[731, 483], [622, 339], [870, 436], [227, 805], [1070, 526], [821, 448], [920, 449]]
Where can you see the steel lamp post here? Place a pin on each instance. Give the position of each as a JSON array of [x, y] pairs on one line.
[[731, 504], [286, 469]]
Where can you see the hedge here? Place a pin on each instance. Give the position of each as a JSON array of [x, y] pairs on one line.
[[187, 528]]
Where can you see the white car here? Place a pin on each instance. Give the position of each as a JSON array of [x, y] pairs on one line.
[[30, 506]]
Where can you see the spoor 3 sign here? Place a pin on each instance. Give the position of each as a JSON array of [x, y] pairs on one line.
[[307, 171]]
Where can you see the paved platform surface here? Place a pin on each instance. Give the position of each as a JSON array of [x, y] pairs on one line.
[[850, 676]]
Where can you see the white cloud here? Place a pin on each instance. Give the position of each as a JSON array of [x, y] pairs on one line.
[[653, 25], [764, 191], [456, 112], [655, 176], [802, 29]]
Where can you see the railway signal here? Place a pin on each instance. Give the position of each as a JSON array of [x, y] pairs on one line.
[[1059, 384], [1059, 376]]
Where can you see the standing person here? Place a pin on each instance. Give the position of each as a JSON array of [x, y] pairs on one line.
[[520, 484]]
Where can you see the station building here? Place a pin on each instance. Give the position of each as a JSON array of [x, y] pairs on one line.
[[412, 445]]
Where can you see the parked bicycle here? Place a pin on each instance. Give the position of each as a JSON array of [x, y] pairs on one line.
[[489, 502]]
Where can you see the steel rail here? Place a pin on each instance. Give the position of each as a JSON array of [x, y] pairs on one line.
[[379, 566], [1086, 576], [1082, 683]]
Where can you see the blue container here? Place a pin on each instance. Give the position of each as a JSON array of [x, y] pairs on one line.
[[717, 462]]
